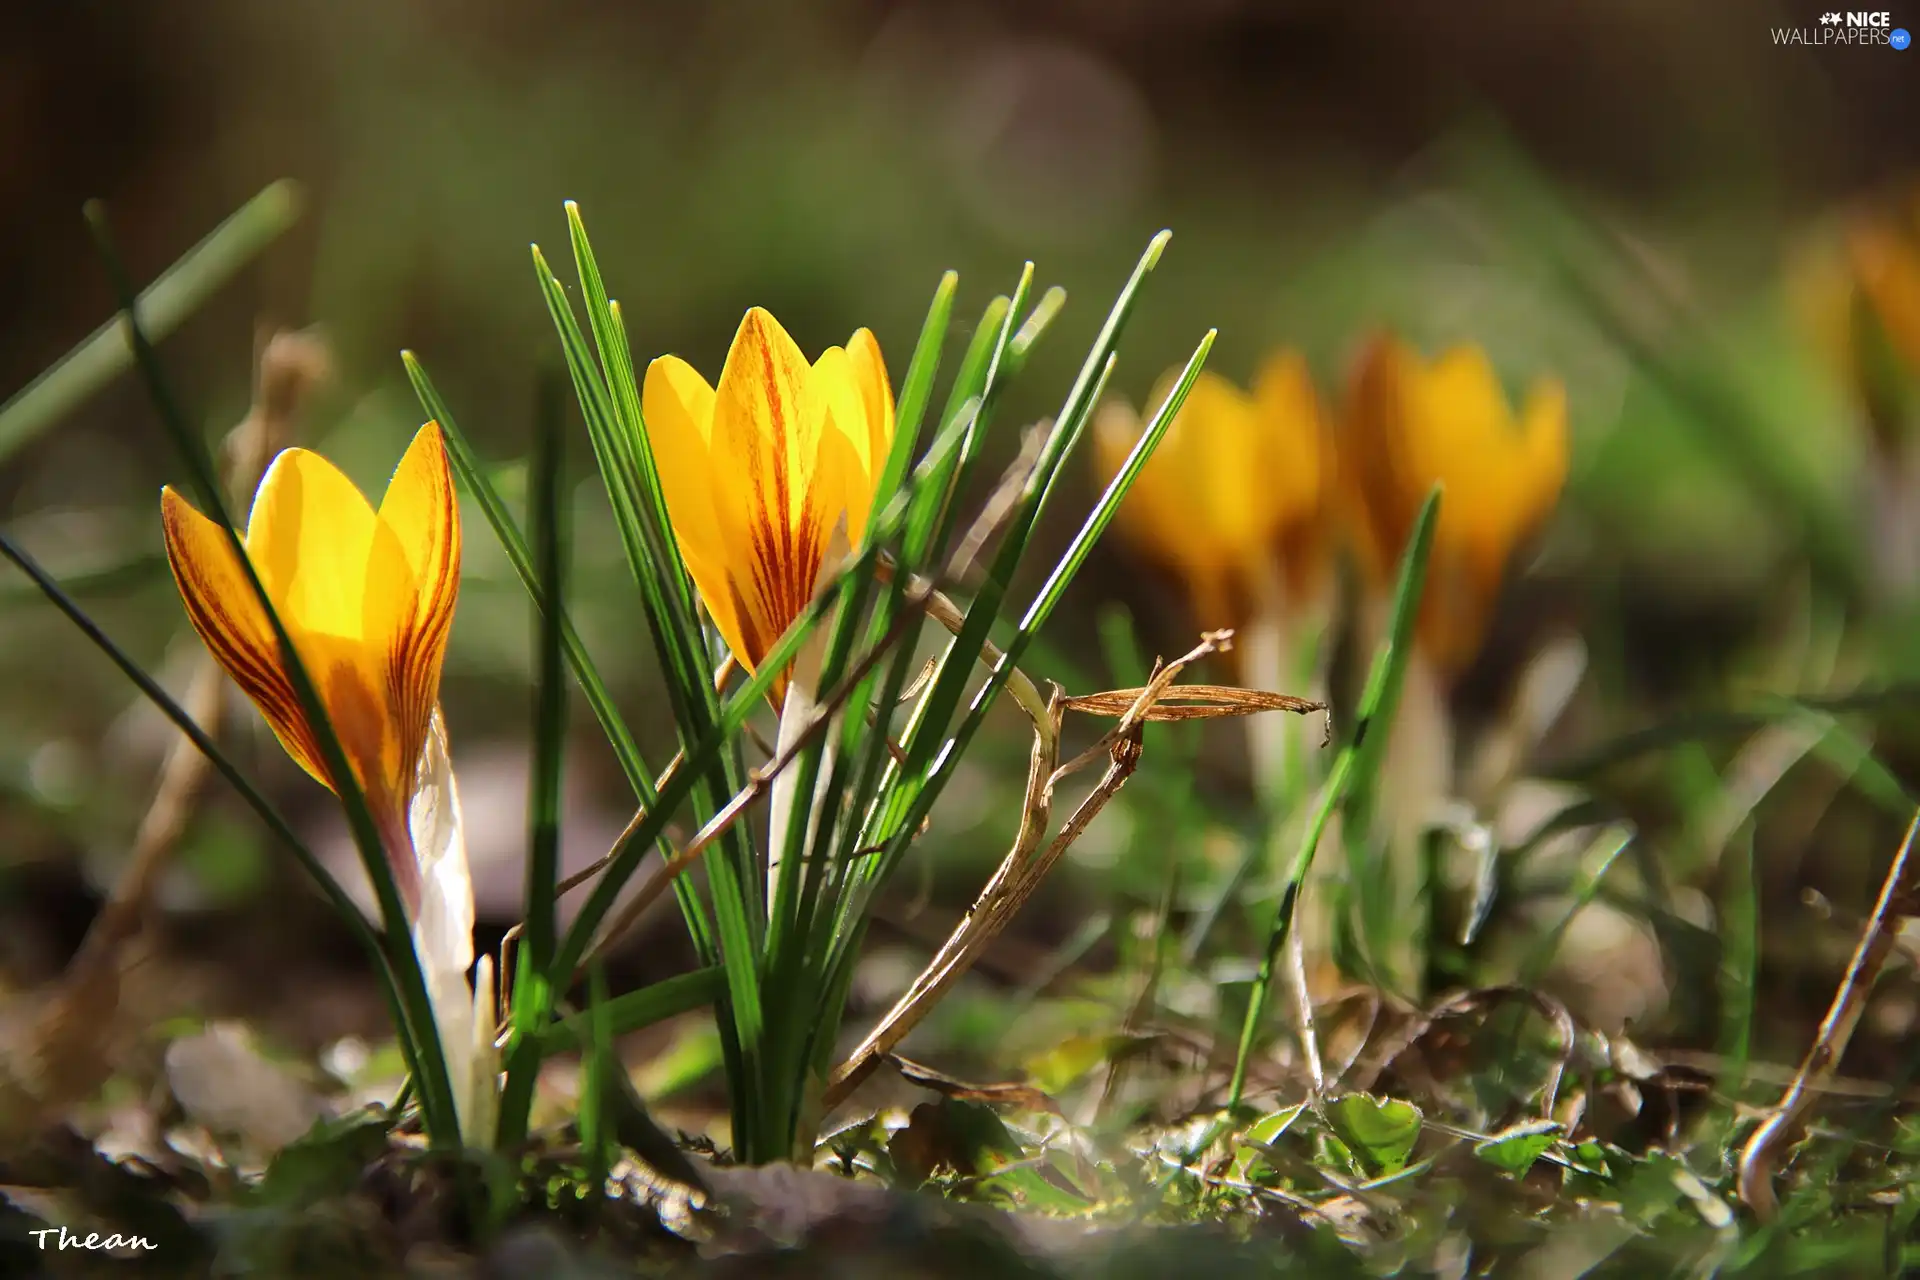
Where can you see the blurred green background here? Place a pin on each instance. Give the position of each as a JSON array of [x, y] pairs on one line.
[[1618, 194]]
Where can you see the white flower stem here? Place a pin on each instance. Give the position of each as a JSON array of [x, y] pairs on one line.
[[443, 940]]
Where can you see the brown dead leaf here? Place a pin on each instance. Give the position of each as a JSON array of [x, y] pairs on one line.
[[1023, 1096]]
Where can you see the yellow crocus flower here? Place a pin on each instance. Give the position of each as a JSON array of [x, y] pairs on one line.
[[1410, 423], [764, 470], [1232, 500], [367, 598]]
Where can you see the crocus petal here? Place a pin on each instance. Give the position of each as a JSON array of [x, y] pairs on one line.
[[876, 393], [226, 613], [1233, 492], [763, 470], [842, 470], [1295, 460], [761, 441], [310, 537], [1411, 424], [678, 407], [423, 514], [1543, 434], [340, 580]]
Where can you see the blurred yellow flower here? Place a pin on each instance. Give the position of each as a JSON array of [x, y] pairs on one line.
[[367, 598], [1858, 291], [1410, 423], [1884, 255], [1232, 501], [763, 471]]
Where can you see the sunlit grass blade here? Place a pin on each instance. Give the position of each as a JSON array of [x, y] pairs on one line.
[[738, 902], [734, 871], [676, 789], [1034, 327], [623, 384], [473, 478], [912, 794], [597, 1141], [734, 876], [1353, 768], [924, 777], [916, 389], [650, 554], [533, 994], [173, 296], [429, 1061], [636, 1010], [1052, 591]]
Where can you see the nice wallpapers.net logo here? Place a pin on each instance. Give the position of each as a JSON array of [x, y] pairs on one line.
[[1865, 28]]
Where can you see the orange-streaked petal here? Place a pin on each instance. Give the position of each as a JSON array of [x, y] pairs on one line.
[[226, 613], [341, 583], [759, 434], [422, 512]]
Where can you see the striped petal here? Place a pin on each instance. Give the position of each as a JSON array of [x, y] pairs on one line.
[[367, 598], [768, 470], [765, 449], [224, 610], [421, 512]]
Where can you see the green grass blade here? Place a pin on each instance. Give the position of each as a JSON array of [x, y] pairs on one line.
[[533, 994], [473, 476], [915, 391], [176, 294], [637, 1010], [597, 1140], [1049, 595], [1096, 524], [617, 368], [1361, 752], [1038, 320], [733, 875], [1739, 960], [734, 871], [550, 697]]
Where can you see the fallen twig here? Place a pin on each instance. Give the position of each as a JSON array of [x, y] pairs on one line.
[[1028, 862], [1899, 894]]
